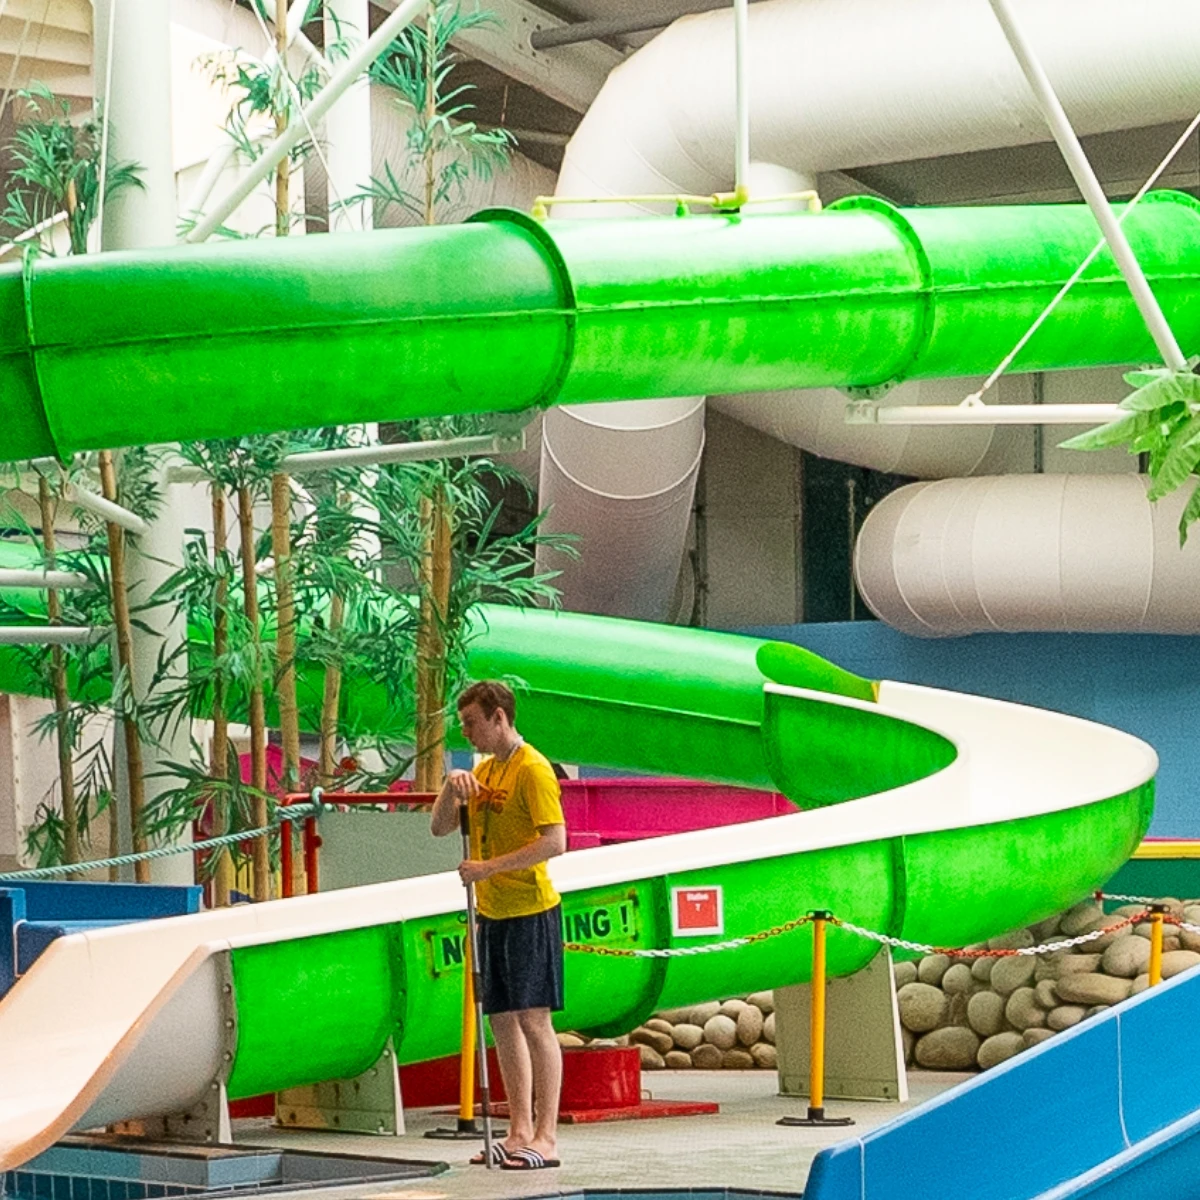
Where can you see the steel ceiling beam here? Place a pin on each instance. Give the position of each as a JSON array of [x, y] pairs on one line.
[[573, 75]]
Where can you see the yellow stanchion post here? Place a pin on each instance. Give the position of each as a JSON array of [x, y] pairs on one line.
[[466, 1128], [474, 1048], [1156, 943], [816, 1032]]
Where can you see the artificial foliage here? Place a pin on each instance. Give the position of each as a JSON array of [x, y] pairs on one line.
[[1161, 421], [58, 169]]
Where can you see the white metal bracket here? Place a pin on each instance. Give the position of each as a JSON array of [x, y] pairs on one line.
[[368, 1103], [207, 1122]]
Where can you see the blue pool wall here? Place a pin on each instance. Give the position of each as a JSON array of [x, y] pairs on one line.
[[1148, 685], [1098, 1110]]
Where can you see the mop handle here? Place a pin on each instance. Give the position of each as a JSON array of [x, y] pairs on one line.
[[485, 1091]]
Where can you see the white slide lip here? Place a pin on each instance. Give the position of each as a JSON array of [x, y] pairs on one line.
[[96, 999]]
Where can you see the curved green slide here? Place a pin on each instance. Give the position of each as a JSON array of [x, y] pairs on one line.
[[927, 815]]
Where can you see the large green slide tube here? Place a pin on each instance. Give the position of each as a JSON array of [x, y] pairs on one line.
[[506, 312]]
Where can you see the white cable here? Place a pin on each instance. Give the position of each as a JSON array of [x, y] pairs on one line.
[[1087, 262], [108, 70]]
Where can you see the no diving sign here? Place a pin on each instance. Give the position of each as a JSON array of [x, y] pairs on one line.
[[697, 911]]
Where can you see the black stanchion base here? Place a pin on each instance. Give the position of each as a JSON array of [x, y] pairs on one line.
[[816, 1116], [465, 1131]]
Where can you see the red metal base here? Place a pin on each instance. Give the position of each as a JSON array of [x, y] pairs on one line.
[[597, 1080]]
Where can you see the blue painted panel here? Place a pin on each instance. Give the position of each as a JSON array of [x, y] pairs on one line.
[[837, 1173], [1019, 1105], [108, 901], [12, 910], [32, 940], [1165, 1169], [1160, 1088], [1145, 684]]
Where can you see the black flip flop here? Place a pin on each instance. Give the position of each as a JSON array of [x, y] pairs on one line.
[[526, 1159], [500, 1157]]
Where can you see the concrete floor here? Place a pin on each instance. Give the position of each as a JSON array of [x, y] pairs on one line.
[[740, 1147]]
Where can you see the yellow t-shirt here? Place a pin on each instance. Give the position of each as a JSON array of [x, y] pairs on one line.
[[517, 796]]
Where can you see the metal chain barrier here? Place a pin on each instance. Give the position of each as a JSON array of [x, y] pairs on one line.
[[1126, 899], [314, 808], [1045, 948], [686, 951], [883, 939]]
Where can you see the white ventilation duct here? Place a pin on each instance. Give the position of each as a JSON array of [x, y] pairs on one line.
[[815, 420], [607, 478], [839, 84], [1036, 553]]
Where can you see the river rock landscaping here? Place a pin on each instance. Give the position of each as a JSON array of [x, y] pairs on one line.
[[961, 1014], [956, 1014]]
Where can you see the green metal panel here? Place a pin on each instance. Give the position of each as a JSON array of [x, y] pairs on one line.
[[1179, 877], [505, 312], [314, 1008]]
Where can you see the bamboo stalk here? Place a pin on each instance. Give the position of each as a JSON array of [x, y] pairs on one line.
[[124, 628], [58, 678], [330, 699], [430, 110], [285, 635], [219, 761], [285, 639], [258, 718], [282, 199], [431, 645]]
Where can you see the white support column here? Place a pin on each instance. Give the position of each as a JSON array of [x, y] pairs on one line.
[[139, 112], [348, 125]]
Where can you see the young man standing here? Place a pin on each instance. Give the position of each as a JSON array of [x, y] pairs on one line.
[[517, 825]]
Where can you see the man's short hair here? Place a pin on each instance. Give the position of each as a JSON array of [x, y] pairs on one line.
[[490, 695]]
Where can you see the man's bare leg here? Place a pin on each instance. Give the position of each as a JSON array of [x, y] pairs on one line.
[[545, 1055], [516, 1068]]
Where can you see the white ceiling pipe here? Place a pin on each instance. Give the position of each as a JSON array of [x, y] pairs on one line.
[[1089, 185], [608, 490], [815, 420], [983, 414], [13, 577], [840, 84], [1030, 553], [51, 635]]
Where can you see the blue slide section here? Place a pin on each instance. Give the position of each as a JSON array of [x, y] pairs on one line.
[[1109, 1109]]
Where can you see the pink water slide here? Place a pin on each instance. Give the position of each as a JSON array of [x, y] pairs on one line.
[[600, 812]]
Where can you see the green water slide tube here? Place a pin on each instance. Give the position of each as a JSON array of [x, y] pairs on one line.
[[925, 815], [932, 816], [921, 814], [506, 313]]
